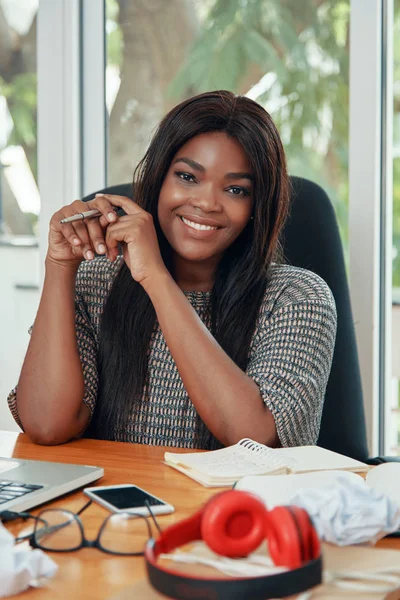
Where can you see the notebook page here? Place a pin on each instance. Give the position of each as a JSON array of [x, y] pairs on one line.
[[314, 458], [244, 458]]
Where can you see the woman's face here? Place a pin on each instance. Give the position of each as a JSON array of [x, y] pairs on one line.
[[206, 198]]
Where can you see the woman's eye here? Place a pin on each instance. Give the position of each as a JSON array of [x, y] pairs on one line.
[[185, 176], [239, 191]]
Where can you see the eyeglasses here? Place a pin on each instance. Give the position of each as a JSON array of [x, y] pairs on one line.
[[58, 530]]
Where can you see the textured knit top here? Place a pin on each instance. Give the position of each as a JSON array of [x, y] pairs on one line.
[[289, 358]]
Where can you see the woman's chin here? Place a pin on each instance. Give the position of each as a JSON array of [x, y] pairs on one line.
[[197, 257], [193, 252]]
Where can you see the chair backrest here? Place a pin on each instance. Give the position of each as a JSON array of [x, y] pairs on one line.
[[311, 240]]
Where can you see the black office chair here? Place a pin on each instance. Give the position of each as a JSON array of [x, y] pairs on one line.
[[311, 240]]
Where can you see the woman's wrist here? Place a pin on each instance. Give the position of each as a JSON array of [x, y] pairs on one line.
[[54, 268], [157, 282]]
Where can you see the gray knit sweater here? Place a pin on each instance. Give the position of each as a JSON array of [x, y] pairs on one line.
[[290, 359]]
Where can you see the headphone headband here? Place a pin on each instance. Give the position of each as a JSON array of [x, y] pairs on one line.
[[234, 523], [180, 533], [185, 587]]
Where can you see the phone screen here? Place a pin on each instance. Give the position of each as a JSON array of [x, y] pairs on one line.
[[127, 497]]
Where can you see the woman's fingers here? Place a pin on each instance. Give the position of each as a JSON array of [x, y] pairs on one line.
[[128, 205], [82, 233], [102, 204], [96, 227], [86, 235], [96, 235], [70, 234], [112, 243]]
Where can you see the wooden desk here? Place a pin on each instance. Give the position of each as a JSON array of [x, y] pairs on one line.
[[89, 573]]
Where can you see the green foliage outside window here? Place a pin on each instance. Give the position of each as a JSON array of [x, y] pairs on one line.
[[295, 53]]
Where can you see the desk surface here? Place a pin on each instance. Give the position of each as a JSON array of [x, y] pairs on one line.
[[90, 573]]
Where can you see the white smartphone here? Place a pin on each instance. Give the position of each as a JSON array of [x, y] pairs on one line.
[[128, 498]]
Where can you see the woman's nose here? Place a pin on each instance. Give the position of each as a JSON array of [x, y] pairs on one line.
[[208, 200]]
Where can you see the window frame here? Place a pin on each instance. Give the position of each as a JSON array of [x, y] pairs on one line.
[[72, 158]]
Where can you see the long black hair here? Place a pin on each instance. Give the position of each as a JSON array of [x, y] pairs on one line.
[[129, 319]]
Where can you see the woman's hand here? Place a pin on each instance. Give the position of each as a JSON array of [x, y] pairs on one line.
[[137, 234], [70, 243]]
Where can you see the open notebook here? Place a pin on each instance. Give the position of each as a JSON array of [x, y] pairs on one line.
[[222, 468]]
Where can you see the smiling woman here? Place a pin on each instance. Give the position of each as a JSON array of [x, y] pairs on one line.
[[197, 335]]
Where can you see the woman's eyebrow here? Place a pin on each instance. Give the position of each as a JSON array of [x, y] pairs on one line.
[[239, 176], [191, 163], [198, 167]]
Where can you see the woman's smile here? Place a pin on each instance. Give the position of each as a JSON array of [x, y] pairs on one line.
[[200, 228]]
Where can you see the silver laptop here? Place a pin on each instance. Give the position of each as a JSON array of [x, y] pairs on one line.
[[27, 483]]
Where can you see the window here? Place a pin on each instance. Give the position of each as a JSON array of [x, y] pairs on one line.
[[291, 57], [19, 195], [19, 199], [393, 421]]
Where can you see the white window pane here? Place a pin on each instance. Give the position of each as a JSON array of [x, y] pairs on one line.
[[393, 401], [19, 195]]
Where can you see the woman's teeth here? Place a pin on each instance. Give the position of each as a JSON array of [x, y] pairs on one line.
[[197, 225]]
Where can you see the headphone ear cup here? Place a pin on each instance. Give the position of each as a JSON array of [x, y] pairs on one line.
[[292, 538], [233, 523], [283, 536], [311, 544], [312, 540]]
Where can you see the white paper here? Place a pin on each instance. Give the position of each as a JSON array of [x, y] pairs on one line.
[[351, 513], [21, 569], [385, 478], [316, 458], [281, 489], [343, 507]]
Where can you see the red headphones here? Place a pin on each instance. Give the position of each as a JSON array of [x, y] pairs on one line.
[[234, 523]]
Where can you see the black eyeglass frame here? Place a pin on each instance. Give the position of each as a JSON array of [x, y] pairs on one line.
[[85, 543]]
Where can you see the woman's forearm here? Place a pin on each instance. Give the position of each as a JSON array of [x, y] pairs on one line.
[[227, 400], [51, 385]]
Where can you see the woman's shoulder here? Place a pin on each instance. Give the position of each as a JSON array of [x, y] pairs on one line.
[[288, 285], [94, 277]]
